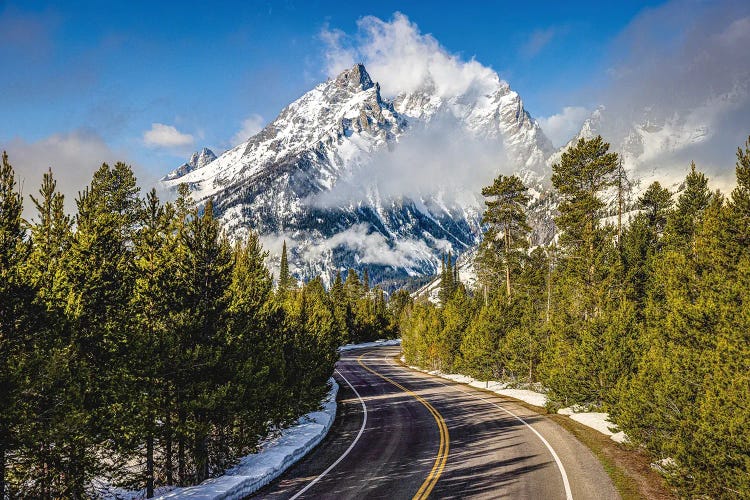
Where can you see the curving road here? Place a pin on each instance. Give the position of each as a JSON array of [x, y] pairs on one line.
[[405, 434]]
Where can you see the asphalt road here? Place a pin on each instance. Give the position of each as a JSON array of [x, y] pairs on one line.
[[405, 434]]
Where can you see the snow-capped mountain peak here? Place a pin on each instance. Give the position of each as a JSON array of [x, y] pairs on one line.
[[270, 183], [198, 160]]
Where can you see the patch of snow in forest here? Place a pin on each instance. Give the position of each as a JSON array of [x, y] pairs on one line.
[[377, 343], [598, 421]]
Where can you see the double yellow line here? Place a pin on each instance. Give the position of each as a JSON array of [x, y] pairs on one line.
[[442, 454]]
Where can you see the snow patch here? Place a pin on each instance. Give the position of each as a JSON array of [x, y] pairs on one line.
[[275, 456], [377, 343], [598, 421]]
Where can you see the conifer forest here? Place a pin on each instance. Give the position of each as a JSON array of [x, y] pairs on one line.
[[294, 250], [139, 347], [647, 320]]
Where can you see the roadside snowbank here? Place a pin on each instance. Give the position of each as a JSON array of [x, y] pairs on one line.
[[377, 343], [275, 456], [596, 420]]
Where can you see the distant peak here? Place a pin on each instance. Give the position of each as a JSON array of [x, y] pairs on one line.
[[355, 78], [201, 158]]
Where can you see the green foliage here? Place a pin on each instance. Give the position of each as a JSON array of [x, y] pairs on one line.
[[286, 280], [139, 346], [650, 324], [505, 218]]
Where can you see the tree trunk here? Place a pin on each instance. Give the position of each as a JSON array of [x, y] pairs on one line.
[[620, 173], [2, 472], [150, 465], [76, 474], [168, 446], [507, 262], [200, 455], [181, 445], [549, 285]]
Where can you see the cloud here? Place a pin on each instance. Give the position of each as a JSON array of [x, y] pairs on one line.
[[563, 126], [370, 248], [442, 159], [537, 41], [166, 136], [678, 89], [250, 126], [402, 59], [337, 57], [439, 158], [73, 157]]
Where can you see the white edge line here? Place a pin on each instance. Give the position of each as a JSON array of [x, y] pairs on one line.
[[343, 455], [566, 483]]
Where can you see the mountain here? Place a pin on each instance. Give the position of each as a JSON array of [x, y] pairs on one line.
[[276, 182], [199, 160]]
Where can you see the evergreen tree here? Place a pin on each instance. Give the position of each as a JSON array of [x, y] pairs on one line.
[[585, 171], [656, 202], [15, 318], [506, 218], [694, 199], [286, 280], [208, 270], [740, 201], [96, 285], [46, 411], [151, 306]]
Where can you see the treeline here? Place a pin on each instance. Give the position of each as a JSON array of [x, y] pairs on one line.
[[649, 320], [139, 348]]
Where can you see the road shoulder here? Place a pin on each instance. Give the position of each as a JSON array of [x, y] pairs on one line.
[[628, 467]]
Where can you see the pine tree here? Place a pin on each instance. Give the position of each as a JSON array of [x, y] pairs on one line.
[[50, 240], [694, 199], [506, 218], [151, 307], [96, 286], [286, 281], [447, 285], [585, 171], [740, 202], [207, 268], [342, 309], [656, 202], [15, 317]]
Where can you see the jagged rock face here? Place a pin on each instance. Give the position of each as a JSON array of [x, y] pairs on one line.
[[266, 183], [199, 159]]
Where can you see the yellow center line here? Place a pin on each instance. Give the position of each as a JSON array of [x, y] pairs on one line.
[[442, 454]]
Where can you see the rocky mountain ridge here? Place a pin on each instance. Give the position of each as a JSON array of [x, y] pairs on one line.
[[273, 182]]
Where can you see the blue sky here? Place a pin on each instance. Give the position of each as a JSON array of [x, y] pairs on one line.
[[149, 82]]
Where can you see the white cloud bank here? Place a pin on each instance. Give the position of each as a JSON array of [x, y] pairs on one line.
[[166, 136], [372, 248], [681, 74], [73, 157], [442, 158], [402, 59]]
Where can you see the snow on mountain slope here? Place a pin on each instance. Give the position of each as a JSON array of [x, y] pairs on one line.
[[199, 160], [272, 183]]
